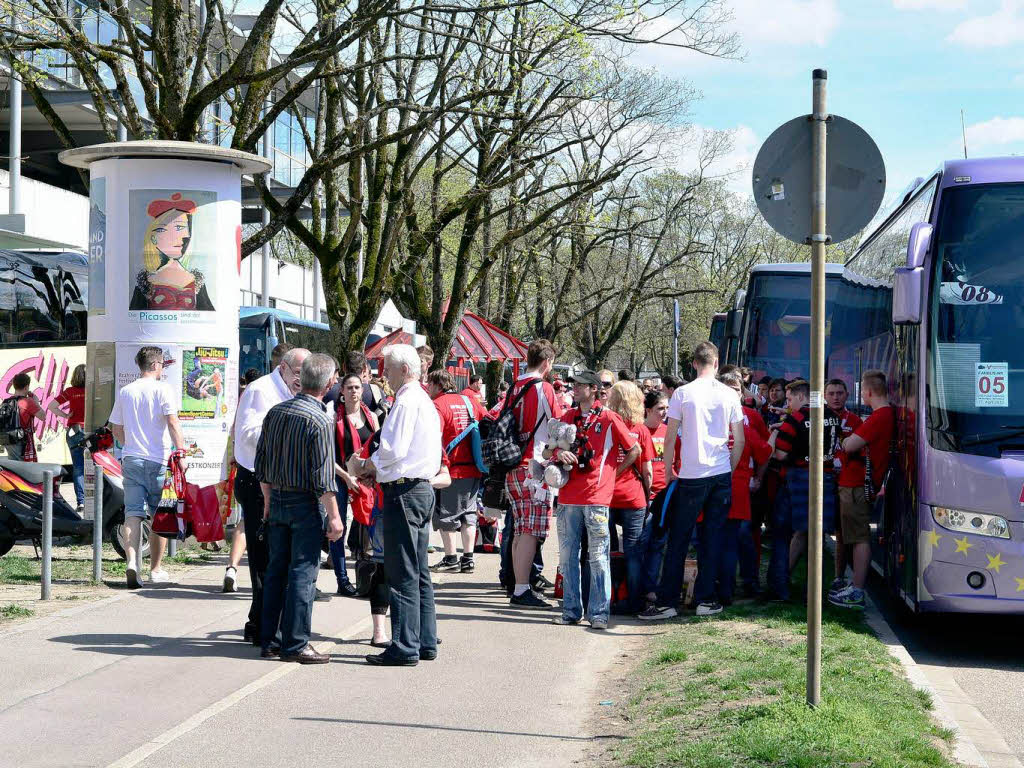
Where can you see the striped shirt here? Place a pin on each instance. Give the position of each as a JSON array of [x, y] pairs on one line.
[[296, 447]]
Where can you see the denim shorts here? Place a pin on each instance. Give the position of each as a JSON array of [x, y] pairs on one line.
[[143, 485]]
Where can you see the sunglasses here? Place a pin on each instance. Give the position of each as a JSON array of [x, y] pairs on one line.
[[606, 385]]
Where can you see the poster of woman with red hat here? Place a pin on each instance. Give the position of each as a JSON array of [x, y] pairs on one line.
[[170, 269]]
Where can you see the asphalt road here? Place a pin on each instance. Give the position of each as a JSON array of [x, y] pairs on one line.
[[984, 654]]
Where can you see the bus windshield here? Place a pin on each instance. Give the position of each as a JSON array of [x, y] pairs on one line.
[[976, 360], [717, 334], [777, 335]]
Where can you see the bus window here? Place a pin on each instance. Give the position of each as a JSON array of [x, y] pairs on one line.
[[38, 310], [252, 350]]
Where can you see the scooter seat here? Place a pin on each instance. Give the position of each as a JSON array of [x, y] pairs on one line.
[[31, 471]]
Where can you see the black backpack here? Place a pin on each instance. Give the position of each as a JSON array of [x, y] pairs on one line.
[[11, 432], [500, 446]]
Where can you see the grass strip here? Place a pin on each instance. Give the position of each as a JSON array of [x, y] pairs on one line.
[[15, 611], [729, 691]]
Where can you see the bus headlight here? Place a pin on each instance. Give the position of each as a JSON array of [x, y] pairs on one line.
[[971, 522]]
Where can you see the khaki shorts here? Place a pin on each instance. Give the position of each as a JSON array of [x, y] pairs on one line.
[[855, 513]]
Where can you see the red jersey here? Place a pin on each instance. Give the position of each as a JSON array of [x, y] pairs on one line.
[[658, 462], [851, 468], [472, 394], [629, 489], [878, 432], [532, 412], [605, 434], [28, 408], [455, 418], [74, 399], [755, 451]]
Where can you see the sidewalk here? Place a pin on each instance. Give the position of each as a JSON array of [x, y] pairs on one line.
[[159, 677]]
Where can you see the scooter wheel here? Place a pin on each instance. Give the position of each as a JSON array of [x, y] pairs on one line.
[[6, 539]]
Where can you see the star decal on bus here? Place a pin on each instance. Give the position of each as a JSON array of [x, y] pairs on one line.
[[1020, 583], [995, 563], [962, 545], [934, 537]]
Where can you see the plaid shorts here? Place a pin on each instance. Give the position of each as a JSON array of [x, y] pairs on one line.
[[530, 515]]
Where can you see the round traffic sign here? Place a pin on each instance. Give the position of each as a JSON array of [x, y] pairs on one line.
[[854, 182]]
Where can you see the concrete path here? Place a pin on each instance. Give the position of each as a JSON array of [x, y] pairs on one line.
[[159, 677]]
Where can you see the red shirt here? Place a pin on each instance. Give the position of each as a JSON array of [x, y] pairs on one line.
[[455, 418], [658, 462], [629, 490], [29, 408], [755, 451], [74, 398], [472, 394], [851, 468], [532, 412], [606, 434], [878, 432]]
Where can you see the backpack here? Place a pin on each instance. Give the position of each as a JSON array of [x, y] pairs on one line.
[[500, 447], [472, 431], [11, 432]]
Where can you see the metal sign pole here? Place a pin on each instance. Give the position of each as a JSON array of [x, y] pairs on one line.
[[675, 337], [97, 524], [47, 534], [819, 117]]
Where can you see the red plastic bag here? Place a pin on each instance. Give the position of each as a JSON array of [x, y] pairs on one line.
[[170, 519], [362, 503], [202, 508]]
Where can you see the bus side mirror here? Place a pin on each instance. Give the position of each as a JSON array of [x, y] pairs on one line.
[[907, 291], [733, 323], [918, 244]]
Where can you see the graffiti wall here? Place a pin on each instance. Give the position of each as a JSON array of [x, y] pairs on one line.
[[50, 370]]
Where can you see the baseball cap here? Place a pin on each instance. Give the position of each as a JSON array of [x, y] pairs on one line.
[[586, 377]]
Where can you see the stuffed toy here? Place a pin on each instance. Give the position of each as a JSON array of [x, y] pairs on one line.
[[556, 476], [560, 434]]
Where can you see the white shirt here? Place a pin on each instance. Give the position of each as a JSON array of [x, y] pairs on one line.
[[142, 408], [705, 408], [258, 398], [410, 441]]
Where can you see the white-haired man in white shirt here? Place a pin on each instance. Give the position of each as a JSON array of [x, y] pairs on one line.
[[408, 458]]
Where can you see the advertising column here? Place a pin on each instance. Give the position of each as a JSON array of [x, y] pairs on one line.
[[164, 271]]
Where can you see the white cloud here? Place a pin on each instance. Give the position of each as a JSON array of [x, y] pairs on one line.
[[995, 133], [929, 5], [792, 21], [1004, 27]]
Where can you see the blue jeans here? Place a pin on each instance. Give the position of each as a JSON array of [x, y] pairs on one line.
[[506, 573], [690, 496], [296, 527], [791, 506], [143, 482], [572, 520], [737, 546], [78, 473], [408, 509], [337, 548], [632, 522]]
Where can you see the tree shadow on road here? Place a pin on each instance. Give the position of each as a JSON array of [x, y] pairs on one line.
[[456, 729]]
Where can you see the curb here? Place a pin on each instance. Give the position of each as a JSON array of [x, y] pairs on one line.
[[951, 707]]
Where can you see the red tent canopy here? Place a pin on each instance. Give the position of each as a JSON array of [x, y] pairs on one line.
[[476, 339]]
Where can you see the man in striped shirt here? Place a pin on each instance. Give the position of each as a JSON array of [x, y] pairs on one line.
[[295, 468]]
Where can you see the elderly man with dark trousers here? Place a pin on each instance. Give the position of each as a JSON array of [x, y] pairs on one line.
[[279, 385], [408, 457], [295, 467]]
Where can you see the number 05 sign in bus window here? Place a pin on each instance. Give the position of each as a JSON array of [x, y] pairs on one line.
[[991, 389]]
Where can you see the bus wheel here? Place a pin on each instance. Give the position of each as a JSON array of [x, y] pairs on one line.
[[116, 535]]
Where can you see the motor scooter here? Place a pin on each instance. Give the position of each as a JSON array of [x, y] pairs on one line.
[[21, 500]]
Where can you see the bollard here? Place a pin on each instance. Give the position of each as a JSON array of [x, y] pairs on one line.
[[172, 548], [47, 533], [97, 525]]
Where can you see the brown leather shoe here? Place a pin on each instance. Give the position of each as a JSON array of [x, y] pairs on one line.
[[307, 656], [270, 653]]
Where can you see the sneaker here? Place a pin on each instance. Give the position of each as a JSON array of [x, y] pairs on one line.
[[837, 585], [467, 564], [529, 599], [656, 613], [320, 596], [159, 577], [132, 578], [599, 624], [80, 509], [849, 598], [564, 622], [709, 609], [542, 583], [447, 564], [229, 580]]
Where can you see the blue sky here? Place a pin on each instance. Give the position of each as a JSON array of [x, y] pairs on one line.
[[902, 69]]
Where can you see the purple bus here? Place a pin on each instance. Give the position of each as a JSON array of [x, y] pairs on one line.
[[950, 528]]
